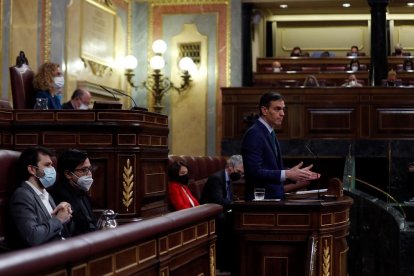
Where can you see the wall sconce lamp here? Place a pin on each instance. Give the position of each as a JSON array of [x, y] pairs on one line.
[[157, 84]]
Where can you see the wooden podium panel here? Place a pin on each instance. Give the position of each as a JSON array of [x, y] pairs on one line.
[[292, 237], [129, 150]]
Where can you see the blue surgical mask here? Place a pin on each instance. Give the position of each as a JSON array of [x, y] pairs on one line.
[[49, 177]]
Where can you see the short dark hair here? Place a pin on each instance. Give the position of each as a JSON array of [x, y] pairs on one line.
[[70, 159], [354, 46], [77, 93], [174, 170], [30, 156], [267, 98]]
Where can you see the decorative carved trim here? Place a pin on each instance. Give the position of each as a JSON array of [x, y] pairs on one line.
[[326, 262], [47, 31], [96, 68], [213, 259], [107, 3], [128, 185]]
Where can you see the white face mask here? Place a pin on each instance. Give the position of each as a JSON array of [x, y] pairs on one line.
[[84, 182], [83, 107], [352, 83], [59, 82], [354, 68], [276, 70]]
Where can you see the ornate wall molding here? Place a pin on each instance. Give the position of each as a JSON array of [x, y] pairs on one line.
[[128, 185], [47, 21]]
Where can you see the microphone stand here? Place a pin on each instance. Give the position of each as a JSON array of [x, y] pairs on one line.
[[109, 91], [135, 107], [315, 159]]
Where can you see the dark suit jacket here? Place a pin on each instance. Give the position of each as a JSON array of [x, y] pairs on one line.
[[67, 105], [262, 163], [83, 220], [30, 221], [52, 102], [215, 191]]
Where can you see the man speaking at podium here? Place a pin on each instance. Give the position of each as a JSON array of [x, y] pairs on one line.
[[263, 164]]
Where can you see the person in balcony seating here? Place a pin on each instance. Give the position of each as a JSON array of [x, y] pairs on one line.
[[399, 51], [352, 81], [34, 217], [75, 172], [354, 51], [354, 65], [49, 82], [276, 67], [391, 79], [179, 194], [408, 64], [311, 81], [296, 52], [80, 100]]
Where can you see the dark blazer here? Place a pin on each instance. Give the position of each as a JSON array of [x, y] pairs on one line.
[[52, 102], [215, 191], [83, 219], [67, 105], [30, 222], [262, 163]]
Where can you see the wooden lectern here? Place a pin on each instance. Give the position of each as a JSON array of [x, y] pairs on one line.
[[292, 237]]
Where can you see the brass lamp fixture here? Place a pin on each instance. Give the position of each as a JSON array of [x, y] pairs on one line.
[[157, 84]]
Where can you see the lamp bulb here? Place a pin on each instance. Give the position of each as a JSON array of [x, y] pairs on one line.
[[159, 46], [130, 62], [157, 62], [186, 64]]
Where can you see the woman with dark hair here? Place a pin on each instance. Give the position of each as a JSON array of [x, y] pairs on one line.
[[179, 195], [296, 52], [354, 65], [75, 172], [49, 83]]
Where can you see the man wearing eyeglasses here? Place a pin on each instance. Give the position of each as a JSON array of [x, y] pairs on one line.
[[75, 172]]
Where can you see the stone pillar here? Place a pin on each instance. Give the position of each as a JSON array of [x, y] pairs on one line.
[[247, 66], [379, 62]]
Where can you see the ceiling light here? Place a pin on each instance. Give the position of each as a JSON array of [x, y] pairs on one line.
[[346, 5], [410, 4], [283, 6]]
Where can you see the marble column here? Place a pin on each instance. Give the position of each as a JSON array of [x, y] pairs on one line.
[[379, 63]]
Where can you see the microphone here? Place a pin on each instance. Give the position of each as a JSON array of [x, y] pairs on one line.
[[135, 107], [315, 158], [109, 91]]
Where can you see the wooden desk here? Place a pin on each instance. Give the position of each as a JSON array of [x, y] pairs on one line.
[[292, 237], [331, 112], [129, 150], [324, 78]]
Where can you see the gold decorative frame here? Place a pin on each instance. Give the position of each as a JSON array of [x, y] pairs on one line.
[[98, 27]]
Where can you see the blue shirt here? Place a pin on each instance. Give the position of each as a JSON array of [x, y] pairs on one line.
[[52, 102]]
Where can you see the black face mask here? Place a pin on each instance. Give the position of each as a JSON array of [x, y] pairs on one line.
[[234, 176], [398, 52], [183, 179]]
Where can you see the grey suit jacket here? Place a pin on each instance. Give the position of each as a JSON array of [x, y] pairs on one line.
[[30, 220]]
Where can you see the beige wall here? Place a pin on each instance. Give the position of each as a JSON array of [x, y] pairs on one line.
[[80, 70]]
